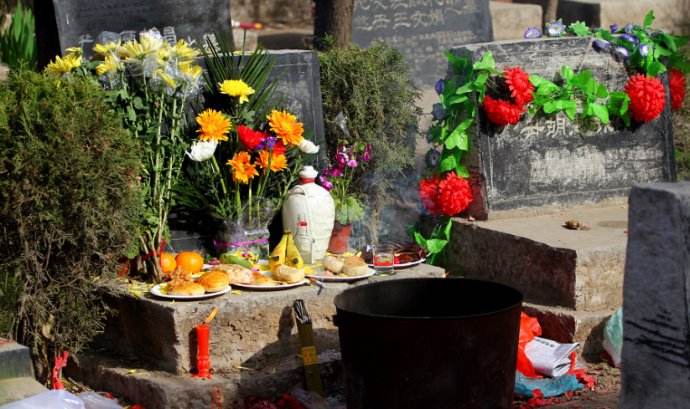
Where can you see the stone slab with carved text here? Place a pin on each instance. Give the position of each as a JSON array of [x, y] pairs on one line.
[[79, 22], [553, 161], [422, 29]]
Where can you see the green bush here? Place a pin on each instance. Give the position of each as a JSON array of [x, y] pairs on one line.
[[18, 42], [372, 88], [69, 208]]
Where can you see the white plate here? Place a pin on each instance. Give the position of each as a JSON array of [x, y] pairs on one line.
[[341, 278], [405, 265], [279, 286], [156, 290]]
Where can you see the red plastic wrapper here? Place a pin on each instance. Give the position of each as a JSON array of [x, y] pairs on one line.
[[529, 328]]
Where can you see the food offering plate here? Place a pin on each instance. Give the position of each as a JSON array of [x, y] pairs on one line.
[[323, 275], [159, 290], [273, 286]]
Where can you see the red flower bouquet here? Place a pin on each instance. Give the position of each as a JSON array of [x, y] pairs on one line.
[[676, 83], [647, 97], [515, 84], [445, 195]]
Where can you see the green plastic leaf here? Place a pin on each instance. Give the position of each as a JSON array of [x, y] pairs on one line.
[[464, 89], [448, 161], [434, 246], [480, 81], [567, 73], [601, 112], [419, 239], [580, 29], [656, 68], [447, 229], [487, 62], [455, 99], [462, 171], [649, 19]]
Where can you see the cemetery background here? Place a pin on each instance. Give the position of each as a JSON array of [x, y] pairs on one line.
[[681, 137]]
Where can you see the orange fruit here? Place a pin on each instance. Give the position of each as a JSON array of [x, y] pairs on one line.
[[189, 262], [168, 263]]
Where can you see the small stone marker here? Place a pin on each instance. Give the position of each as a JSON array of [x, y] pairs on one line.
[[79, 22], [656, 328], [422, 29], [549, 161]]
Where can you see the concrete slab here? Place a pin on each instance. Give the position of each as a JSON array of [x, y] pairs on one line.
[[510, 20], [252, 329], [670, 15], [15, 360], [551, 265], [15, 389], [226, 389]]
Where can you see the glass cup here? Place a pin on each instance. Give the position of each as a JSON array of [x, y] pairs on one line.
[[384, 259]]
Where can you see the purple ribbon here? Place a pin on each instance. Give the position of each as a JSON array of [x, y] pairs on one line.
[[222, 245]]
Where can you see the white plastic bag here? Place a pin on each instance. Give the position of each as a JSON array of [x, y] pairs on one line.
[[56, 399], [93, 400], [613, 337]]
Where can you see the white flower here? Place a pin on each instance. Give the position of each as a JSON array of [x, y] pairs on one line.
[[308, 147], [202, 150]]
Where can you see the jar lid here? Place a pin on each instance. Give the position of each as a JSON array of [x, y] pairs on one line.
[[308, 172]]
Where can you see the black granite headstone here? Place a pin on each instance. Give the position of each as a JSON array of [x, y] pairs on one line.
[[422, 30], [79, 22], [552, 161]]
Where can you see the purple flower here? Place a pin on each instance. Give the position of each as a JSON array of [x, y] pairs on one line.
[[620, 54], [325, 183], [366, 155], [614, 27], [630, 38], [440, 85], [644, 50], [352, 163], [432, 158], [628, 28], [341, 158], [268, 143], [601, 45], [555, 29], [335, 172], [532, 32], [437, 112]]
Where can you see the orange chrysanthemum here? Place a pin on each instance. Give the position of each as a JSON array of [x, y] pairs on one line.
[[286, 127], [213, 126], [278, 161], [243, 170]]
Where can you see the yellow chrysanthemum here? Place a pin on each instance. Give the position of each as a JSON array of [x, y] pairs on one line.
[[278, 162], [184, 51], [64, 65], [243, 170], [167, 78], [213, 126], [140, 49], [106, 49], [110, 65], [286, 127], [236, 88], [189, 69]]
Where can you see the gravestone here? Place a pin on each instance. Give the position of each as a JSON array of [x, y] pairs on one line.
[[79, 22], [553, 161], [422, 29], [656, 324]]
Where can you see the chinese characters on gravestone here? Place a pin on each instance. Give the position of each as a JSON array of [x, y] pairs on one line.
[[422, 30], [79, 22]]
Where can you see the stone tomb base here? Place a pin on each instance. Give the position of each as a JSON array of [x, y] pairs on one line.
[[572, 280], [147, 351]]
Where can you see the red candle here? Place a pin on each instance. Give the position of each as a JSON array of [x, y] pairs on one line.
[[203, 362]]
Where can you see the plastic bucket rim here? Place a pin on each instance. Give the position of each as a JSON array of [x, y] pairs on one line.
[[518, 303]]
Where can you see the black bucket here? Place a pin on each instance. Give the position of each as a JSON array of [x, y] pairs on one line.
[[429, 343]]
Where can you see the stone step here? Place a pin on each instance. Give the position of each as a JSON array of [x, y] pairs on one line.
[[566, 325], [15, 360], [252, 328], [14, 389], [510, 20], [226, 389], [671, 15], [551, 265]]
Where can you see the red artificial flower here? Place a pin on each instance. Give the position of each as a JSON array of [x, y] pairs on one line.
[[279, 148], [501, 112], [447, 195], [676, 83], [518, 83], [428, 189], [647, 97], [249, 137], [454, 194]]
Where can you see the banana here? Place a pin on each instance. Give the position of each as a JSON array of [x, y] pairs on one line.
[[229, 258], [277, 256], [292, 256]]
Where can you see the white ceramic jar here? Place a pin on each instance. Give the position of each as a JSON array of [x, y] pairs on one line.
[[310, 203]]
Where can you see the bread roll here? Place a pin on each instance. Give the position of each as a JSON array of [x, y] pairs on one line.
[[288, 274], [186, 288], [354, 266], [214, 281], [333, 264], [260, 279], [237, 273]]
